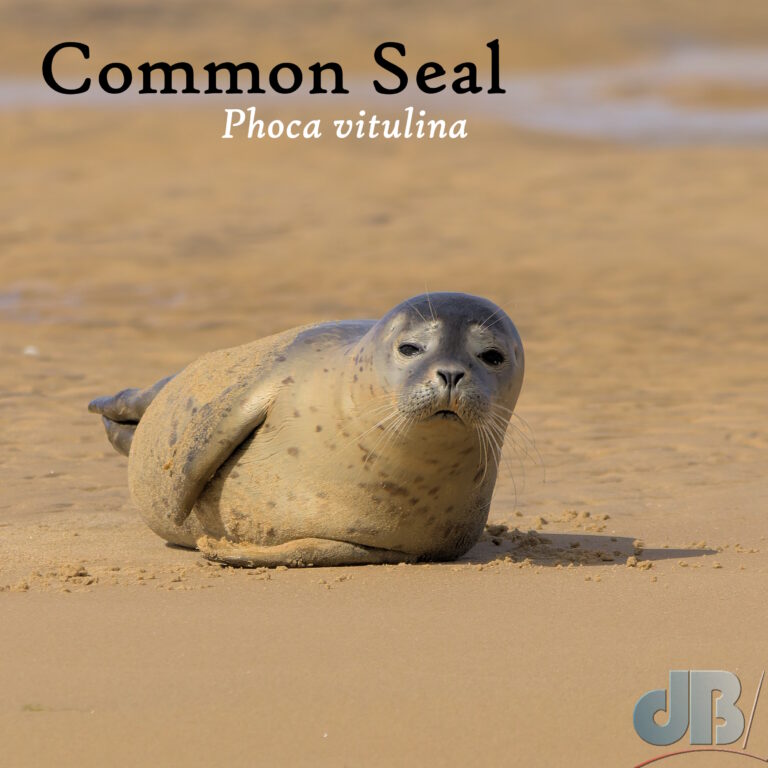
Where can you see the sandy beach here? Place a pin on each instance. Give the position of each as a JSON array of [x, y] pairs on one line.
[[628, 533]]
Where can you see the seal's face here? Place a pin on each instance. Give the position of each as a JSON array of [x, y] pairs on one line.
[[449, 357]]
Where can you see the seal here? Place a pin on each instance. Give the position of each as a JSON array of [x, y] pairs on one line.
[[339, 443]]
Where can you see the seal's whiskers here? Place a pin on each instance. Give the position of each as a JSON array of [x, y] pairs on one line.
[[398, 432], [396, 429], [381, 423], [498, 311], [482, 438], [498, 425]]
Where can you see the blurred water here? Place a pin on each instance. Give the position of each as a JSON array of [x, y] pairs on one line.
[[628, 103], [45, 302]]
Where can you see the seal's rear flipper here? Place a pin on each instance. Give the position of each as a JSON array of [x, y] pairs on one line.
[[122, 412], [300, 553], [120, 435]]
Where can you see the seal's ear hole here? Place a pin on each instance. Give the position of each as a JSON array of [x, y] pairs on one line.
[[492, 357], [409, 350]]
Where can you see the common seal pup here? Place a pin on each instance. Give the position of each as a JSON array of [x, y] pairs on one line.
[[339, 443]]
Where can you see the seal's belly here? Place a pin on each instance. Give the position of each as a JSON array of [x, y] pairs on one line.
[[292, 482]]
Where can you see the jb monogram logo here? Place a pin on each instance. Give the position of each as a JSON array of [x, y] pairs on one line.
[[702, 703]]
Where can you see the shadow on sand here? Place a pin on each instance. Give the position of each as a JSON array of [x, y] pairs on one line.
[[554, 549]]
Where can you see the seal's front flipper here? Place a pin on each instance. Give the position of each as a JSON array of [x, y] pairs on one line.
[[210, 436], [300, 553]]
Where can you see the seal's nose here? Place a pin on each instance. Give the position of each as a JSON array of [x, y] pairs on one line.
[[450, 378]]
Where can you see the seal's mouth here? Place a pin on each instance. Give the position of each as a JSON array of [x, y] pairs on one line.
[[447, 414]]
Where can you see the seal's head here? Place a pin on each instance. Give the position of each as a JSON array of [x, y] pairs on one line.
[[447, 357]]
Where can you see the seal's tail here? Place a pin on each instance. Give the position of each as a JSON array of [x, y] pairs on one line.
[[121, 413]]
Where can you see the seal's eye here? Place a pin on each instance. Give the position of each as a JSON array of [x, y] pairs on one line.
[[492, 357], [409, 350]]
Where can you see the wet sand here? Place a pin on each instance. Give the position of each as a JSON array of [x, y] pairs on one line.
[[631, 539]]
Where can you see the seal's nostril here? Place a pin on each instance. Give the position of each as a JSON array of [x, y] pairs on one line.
[[450, 378]]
